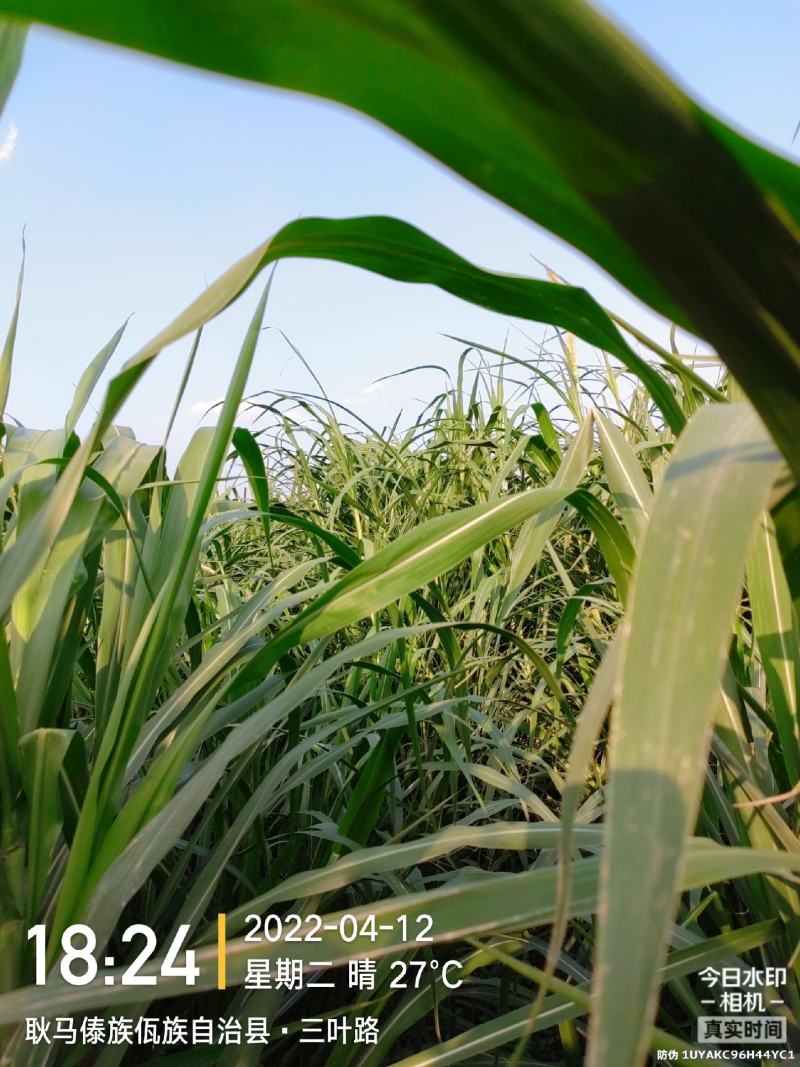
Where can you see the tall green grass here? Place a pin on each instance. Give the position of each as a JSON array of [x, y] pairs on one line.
[[368, 672], [371, 671]]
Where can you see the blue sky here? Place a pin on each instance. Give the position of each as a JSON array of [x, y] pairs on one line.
[[138, 181]]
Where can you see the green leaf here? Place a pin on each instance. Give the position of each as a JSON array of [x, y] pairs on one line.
[[412, 561], [7, 357], [775, 628], [786, 516], [626, 479], [39, 606], [90, 378], [100, 833], [397, 250], [686, 586], [384, 245], [367, 862], [612, 540], [12, 43], [250, 455], [535, 534], [43, 754]]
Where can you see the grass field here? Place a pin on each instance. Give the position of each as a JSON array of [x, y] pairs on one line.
[[367, 664]]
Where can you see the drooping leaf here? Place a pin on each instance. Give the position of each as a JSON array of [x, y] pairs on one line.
[[384, 245], [12, 43]]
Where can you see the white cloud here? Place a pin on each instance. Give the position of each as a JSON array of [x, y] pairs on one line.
[[362, 397], [205, 406], [9, 143], [375, 387], [210, 409]]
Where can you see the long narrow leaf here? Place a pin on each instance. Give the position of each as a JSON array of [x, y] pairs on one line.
[[686, 586]]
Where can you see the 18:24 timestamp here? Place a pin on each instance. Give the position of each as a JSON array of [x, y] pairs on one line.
[[79, 965]]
